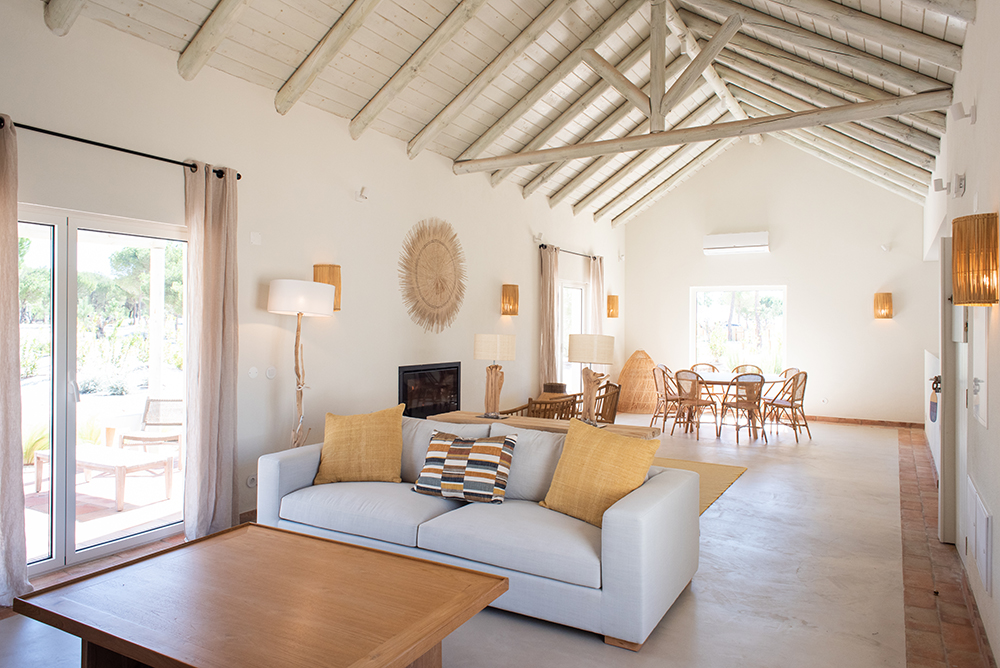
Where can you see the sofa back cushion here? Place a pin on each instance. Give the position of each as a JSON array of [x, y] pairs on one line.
[[535, 462], [417, 436], [361, 448]]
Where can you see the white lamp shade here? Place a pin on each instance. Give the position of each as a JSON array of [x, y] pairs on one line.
[[494, 347], [591, 348], [290, 297]]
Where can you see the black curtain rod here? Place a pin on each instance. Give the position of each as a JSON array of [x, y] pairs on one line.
[[563, 250], [190, 165]]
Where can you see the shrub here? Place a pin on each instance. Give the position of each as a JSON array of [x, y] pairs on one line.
[[38, 439]]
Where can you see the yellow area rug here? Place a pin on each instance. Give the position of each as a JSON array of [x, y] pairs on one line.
[[715, 478]]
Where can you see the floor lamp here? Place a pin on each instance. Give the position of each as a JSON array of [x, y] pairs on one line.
[[591, 349], [493, 347], [300, 298]]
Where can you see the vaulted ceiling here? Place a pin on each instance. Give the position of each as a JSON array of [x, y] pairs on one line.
[[559, 96]]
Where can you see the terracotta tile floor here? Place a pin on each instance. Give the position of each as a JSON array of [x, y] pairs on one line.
[[943, 626]]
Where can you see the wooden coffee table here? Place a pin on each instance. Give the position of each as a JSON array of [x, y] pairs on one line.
[[259, 596]]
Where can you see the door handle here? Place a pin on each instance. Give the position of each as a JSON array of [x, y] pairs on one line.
[[74, 391]]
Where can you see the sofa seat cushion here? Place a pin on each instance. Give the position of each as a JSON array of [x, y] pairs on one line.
[[381, 510], [521, 536]]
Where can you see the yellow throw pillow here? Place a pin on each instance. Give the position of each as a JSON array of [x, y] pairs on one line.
[[362, 448], [596, 469]]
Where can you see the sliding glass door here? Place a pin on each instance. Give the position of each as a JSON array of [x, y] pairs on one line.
[[102, 357]]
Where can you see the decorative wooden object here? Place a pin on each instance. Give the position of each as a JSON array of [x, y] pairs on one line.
[[974, 260], [638, 385], [494, 383], [591, 381], [329, 274], [883, 305], [509, 300], [612, 306], [494, 347], [432, 274]]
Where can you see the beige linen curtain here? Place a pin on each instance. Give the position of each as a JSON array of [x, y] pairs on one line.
[[597, 296], [547, 367], [210, 491], [13, 549]]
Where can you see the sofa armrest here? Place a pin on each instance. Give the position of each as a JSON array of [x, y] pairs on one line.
[[649, 552], [282, 473]]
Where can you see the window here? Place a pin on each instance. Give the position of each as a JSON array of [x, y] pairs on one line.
[[739, 325], [572, 307]]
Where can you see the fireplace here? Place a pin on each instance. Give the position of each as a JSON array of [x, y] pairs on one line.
[[429, 389]]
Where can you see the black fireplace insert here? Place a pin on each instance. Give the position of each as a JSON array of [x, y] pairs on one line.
[[429, 389]]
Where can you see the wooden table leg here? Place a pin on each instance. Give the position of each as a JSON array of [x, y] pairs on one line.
[[95, 656], [431, 659], [120, 487]]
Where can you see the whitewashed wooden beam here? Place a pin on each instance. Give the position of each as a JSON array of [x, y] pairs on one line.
[[831, 115], [963, 10], [461, 102], [873, 160], [657, 63], [704, 114], [670, 72], [817, 45], [914, 157], [819, 78], [702, 62], [858, 24], [696, 163], [692, 48], [618, 81], [323, 54], [208, 38], [557, 74], [414, 65], [667, 166], [60, 15]]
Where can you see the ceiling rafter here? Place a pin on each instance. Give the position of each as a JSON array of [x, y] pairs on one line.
[[618, 81], [963, 10], [657, 63], [702, 62], [211, 34], [60, 15]]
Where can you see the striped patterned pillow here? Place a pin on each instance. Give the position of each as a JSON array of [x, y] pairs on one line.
[[464, 468]]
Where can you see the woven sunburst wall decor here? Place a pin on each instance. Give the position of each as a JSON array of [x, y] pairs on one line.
[[432, 274]]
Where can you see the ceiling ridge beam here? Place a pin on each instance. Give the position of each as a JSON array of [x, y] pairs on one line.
[[670, 71], [830, 115], [323, 54], [697, 162], [697, 117], [60, 15], [461, 102], [963, 10], [880, 141], [414, 65], [618, 81], [874, 29], [549, 81], [892, 168], [657, 63], [779, 60], [210, 35], [824, 47], [670, 162], [703, 61]]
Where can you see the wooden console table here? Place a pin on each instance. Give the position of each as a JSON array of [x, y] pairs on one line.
[[543, 424]]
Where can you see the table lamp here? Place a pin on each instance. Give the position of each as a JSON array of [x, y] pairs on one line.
[[493, 347], [591, 349], [299, 298]]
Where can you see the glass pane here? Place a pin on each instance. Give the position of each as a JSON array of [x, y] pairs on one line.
[[734, 327], [34, 269], [130, 371], [571, 322]]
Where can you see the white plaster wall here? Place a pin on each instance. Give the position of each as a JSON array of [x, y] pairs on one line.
[[826, 228], [972, 150], [299, 175]]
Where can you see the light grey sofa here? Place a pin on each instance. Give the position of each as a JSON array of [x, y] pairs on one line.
[[617, 581]]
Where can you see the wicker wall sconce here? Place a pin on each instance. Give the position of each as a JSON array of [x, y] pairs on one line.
[[974, 260], [329, 274], [883, 305], [612, 306], [508, 300]]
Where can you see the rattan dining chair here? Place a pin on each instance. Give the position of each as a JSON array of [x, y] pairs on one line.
[[606, 405], [774, 388], [748, 368], [562, 408], [692, 404], [704, 367], [743, 396], [667, 397], [789, 403]]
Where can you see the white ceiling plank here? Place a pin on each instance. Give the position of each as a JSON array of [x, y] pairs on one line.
[[842, 114], [964, 10], [225, 15]]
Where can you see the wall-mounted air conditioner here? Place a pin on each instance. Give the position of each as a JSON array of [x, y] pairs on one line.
[[730, 244]]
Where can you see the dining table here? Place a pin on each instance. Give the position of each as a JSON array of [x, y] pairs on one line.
[[723, 379]]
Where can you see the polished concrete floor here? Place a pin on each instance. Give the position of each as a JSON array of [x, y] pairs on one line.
[[801, 565]]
